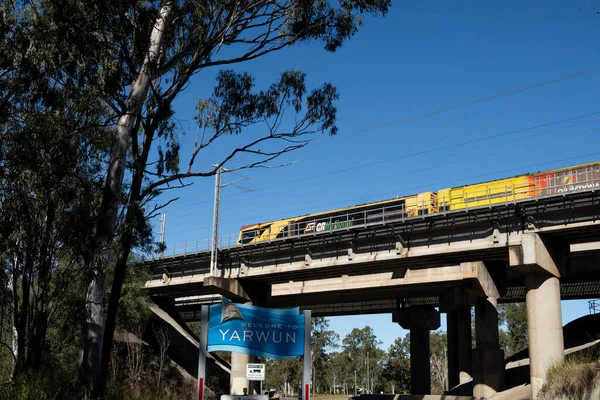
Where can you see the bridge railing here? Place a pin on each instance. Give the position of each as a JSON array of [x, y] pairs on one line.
[[484, 198]]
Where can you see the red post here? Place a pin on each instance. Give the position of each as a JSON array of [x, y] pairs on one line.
[[200, 388]]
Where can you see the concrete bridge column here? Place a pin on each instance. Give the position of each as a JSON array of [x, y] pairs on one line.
[[459, 345], [541, 260], [420, 365], [457, 305], [238, 381], [465, 346], [488, 358], [544, 325], [419, 320]]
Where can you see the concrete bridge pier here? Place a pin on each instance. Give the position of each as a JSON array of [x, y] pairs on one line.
[[419, 320], [541, 261], [488, 358], [457, 306], [544, 325], [238, 381]]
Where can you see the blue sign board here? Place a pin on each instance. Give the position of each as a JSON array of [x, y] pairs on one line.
[[259, 331]]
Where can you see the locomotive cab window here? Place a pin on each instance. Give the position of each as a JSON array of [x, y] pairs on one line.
[[248, 236]]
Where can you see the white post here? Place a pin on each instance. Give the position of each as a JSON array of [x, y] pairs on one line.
[[307, 357], [213, 252], [202, 351]]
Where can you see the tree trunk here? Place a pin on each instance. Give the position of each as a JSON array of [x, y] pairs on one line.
[[91, 353], [21, 318], [111, 317]]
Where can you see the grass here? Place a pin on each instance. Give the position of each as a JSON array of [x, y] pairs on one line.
[[330, 397], [572, 377]]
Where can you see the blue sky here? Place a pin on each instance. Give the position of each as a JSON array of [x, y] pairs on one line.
[[422, 57]]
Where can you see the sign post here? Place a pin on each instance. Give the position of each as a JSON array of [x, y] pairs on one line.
[[255, 372], [307, 357], [263, 332], [202, 351]]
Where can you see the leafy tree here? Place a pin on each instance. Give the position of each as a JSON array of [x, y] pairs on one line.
[[146, 53], [360, 346], [338, 371], [283, 374], [438, 344], [514, 315], [397, 365], [129, 60], [322, 341], [51, 144]]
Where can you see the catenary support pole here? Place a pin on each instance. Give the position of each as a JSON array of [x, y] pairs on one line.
[[215, 236]]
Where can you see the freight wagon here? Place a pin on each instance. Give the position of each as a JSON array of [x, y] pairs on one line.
[[509, 190]]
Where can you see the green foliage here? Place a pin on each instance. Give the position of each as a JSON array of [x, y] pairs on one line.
[[39, 386], [282, 371], [322, 341], [135, 305], [361, 347], [514, 315], [438, 343], [67, 69], [397, 364]]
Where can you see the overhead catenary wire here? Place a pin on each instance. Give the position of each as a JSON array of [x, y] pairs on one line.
[[447, 182], [428, 186], [382, 195], [433, 113], [405, 156], [461, 105]]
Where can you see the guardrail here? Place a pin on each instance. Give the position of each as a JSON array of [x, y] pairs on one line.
[[485, 198]]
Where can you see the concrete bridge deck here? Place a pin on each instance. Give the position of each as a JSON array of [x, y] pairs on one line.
[[344, 267]]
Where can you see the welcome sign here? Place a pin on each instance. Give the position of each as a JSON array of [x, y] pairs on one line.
[[258, 331]]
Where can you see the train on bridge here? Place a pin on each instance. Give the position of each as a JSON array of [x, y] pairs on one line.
[[485, 194]]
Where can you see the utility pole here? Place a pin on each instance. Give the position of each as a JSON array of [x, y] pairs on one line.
[[161, 233], [215, 235], [217, 206]]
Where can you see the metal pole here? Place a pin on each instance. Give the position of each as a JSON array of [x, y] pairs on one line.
[[202, 351], [213, 252], [161, 233], [307, 357]]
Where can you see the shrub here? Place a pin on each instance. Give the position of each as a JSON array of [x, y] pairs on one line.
[[572, 377]]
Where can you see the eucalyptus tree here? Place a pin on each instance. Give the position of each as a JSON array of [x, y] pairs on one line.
[[514, 316], [323, 340], [140, 56], [52, 143], [361, 347], [338, 372], [438, 343], [397, 365]]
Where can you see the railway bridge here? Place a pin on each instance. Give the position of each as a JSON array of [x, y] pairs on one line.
[[537, 250]]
